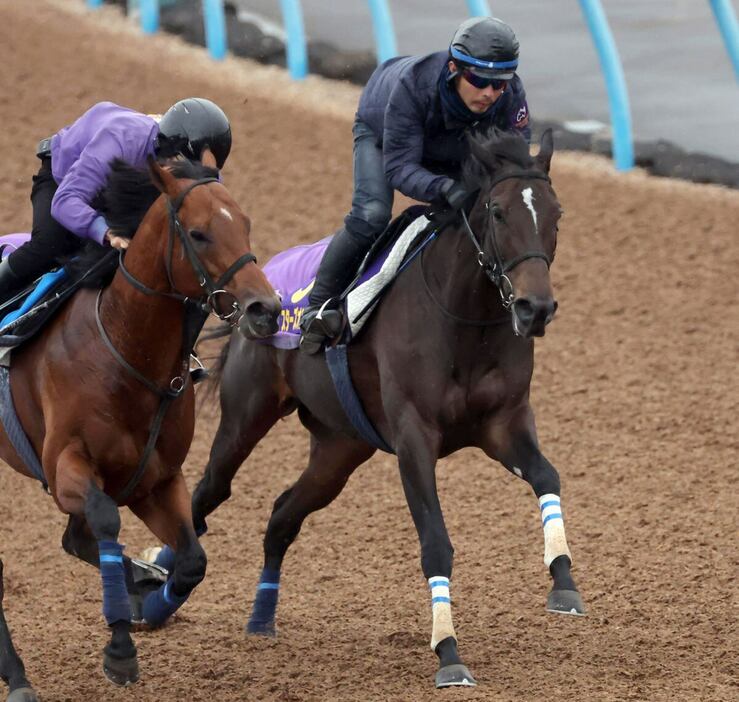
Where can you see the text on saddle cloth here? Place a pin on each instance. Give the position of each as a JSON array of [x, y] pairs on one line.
[[292, 274]]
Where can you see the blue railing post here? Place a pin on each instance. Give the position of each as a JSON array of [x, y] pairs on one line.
[[382, 24], [618, 97], [297, 53], [214, 18], [94, 3], [478, 8], [149, 10], [729, 27]]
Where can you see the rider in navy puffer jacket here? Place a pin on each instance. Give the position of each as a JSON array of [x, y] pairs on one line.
[[409, 136]]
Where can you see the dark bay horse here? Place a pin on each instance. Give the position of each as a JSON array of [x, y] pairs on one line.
[[92, 387], [445, 363]]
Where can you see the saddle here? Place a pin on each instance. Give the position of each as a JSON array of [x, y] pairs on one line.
[[25, 314], [293, 271]]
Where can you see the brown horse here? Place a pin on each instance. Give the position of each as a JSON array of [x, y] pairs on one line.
[[445, 362], [103, 391]]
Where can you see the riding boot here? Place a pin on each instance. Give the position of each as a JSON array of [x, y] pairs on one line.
[[322, 320], [10, 283]]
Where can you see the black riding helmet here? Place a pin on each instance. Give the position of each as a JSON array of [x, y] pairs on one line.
[[192, 124], [487, 46]]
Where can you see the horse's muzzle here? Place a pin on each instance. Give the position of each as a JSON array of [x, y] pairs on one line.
[[260, 318], [531, 315]]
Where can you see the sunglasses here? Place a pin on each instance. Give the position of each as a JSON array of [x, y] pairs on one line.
[[482, 83]]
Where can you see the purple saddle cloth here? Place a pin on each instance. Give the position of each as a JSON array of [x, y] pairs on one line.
[[292, 274], [10, 242]]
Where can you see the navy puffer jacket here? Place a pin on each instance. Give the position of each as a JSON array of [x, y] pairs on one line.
[[423, 145]]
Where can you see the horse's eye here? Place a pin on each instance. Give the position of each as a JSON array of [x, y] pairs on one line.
[[497, 214], [199, 236]]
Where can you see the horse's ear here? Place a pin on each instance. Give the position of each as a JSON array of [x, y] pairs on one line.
[[162, 178], [208, 159], [546, 149]]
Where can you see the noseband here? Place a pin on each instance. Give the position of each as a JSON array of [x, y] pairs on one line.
[[213, 290], [496, 269]]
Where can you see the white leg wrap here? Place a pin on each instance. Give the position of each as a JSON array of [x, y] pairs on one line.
[[555, 542], [441, 606]]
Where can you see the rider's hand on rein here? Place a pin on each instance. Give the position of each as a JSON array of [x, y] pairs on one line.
[[117, 242]]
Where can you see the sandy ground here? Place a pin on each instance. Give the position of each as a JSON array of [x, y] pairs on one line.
[[635, 392]]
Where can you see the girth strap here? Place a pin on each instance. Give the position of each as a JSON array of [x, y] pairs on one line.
[[338, 365], [14, 430]]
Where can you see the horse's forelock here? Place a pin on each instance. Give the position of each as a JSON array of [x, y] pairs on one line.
[[492, 149], [129, 192]]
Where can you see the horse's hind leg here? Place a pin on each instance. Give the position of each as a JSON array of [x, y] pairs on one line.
[[11, 666], [250, 406], [515, 445], [332, 460]]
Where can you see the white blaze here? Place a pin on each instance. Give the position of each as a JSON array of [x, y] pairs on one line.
[[227, 214], [528, 198]]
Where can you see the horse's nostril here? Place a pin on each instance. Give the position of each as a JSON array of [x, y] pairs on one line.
[[524, 309], [534, 310], [261, 315]]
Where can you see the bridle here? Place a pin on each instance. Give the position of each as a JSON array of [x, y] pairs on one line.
[[495, 268], [213, 289], [196, 310]]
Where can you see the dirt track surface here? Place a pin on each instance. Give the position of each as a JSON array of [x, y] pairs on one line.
[[636, 399]]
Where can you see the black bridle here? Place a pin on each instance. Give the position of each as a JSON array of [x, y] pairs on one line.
[[496, 269], [196, 311], [213, 289]]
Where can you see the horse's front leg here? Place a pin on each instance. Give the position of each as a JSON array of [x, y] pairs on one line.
[[141, 577], [417, 450], [168, 514], [514, 444], [78, 492]]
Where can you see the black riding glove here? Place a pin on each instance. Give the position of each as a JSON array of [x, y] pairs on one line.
[[456, 195]]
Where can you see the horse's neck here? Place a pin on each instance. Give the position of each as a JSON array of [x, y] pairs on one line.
[[145, 329], [456, 278]]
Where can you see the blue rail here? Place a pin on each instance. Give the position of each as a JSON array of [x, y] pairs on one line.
[[618, 97], [214, 18], [149, 16], [729, 27], [479, 8], [297, 53], [94, 3], [382, 24]]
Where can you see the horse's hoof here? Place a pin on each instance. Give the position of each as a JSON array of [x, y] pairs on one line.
[[23, 694], [565, 602], [261, 629], [455, 675], [121, 671]]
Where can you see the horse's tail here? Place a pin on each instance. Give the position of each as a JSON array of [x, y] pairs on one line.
[[215, 372]]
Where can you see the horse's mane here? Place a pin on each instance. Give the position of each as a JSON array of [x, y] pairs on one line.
[[492, 149], [124, 201]]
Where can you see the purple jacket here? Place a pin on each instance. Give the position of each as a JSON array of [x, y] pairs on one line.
[[80, 162]]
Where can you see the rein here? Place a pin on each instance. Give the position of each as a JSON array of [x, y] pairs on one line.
[[495, 268], [195, 314]]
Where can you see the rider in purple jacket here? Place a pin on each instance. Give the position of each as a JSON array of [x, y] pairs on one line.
[[409, 136], [75, 164]]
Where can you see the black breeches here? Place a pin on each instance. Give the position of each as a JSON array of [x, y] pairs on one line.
[[50, 241]]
